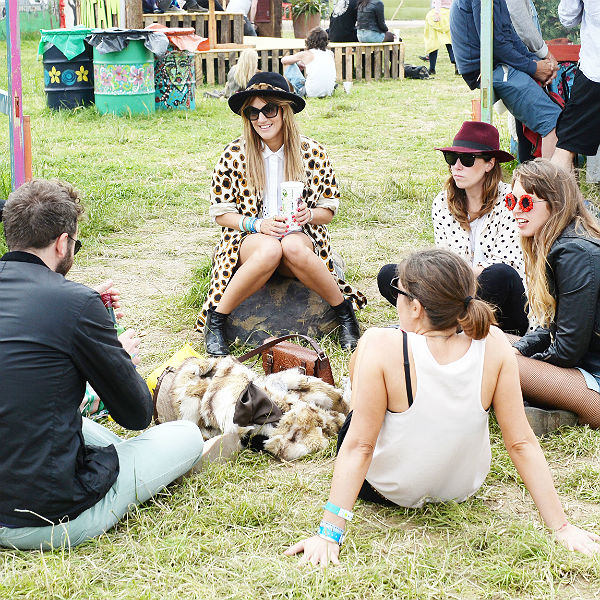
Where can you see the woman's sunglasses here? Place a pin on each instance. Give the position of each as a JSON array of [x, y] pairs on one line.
[[525, 202], [466, 159], [270, 111], [396, 290]]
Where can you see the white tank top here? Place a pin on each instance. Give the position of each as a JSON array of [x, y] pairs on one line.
[[438, 449], [320, 74]]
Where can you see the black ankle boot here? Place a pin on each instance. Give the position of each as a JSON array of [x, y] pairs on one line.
[[214, 333], [349, 331]]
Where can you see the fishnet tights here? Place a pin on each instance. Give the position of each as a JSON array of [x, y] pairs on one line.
[[548, 386]]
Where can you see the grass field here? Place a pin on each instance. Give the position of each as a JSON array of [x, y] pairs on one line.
[[221, 534]]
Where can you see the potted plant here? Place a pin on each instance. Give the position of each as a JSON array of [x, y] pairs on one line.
[[306, 14]]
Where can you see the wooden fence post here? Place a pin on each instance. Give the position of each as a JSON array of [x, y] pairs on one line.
[[133, 14]]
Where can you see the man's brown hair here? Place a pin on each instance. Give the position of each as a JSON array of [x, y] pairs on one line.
[[38, 212]]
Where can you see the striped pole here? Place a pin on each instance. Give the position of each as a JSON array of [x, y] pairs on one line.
[[486, 39], [15, 94]]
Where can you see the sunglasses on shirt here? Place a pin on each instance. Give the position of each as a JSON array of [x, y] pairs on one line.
[[396, 290], [270, 111], [525, 202], [466, 159]]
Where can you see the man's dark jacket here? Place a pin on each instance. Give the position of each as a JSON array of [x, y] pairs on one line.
[[573, 272], [54, 336]]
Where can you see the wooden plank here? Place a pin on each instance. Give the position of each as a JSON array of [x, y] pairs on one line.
[[339, 76], [264, 60], [225, 33], [349, 74], [358, 63], [221, 72], [212, 24], [387, 55], [368, 62], [276, 66], [395, 62], [401, 61], [187, 20], [199, 60], [210, 68], [378, 50]]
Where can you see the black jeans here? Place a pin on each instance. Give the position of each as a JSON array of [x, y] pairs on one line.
[[497, 284], [367, 491]]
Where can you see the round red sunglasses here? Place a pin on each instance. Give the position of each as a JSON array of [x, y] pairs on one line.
[[525, 202]]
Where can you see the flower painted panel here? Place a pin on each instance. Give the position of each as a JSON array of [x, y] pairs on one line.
[[119, 79]]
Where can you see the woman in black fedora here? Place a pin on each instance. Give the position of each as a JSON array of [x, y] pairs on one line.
[[470, 218], [256, 239]]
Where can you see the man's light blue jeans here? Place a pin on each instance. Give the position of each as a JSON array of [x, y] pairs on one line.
[[147, 463]]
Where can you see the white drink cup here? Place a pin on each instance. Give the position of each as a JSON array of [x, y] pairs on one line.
[[291, 196], [347, 86]]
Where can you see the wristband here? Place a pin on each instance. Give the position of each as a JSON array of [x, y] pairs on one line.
[[257, 225], [561, 527], [253, 224], [328, 531], [340, 512], [241, 224]]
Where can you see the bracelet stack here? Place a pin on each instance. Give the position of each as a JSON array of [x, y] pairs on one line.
[[331, 533], [250, 224]]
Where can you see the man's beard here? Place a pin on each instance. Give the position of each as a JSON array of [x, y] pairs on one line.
[[64, 265]]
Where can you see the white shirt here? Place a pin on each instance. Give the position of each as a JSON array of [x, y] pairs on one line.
[[320, 74], [586, 12], [273, 176], [476, 249], [242, 6]]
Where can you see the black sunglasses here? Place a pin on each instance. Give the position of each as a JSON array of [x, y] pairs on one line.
[[396, 290], [78, 244], [270, 111], [466, 159]]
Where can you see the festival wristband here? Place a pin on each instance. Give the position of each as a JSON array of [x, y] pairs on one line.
[[330, 532], [257, 225], [563, 526], [241, 224], [340, 512]]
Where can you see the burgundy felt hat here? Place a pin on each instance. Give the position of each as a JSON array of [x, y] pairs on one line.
[[476, 137]]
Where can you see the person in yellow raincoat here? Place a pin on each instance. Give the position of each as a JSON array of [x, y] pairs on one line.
[[437, 32]]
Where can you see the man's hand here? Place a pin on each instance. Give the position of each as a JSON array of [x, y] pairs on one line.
[[107, 287], [544, 71], [131, 343]]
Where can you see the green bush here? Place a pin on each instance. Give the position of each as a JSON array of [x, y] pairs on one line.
[[549, 22]]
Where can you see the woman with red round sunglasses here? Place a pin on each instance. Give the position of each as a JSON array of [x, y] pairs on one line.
[[470, 218], [559, 362]]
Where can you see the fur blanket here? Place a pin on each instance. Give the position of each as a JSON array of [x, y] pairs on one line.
[[206, 391]]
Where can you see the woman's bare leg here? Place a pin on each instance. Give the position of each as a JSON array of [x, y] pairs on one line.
[[300, 261], [260, 255]]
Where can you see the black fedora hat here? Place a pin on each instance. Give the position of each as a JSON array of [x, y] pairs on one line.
[[265, 85]]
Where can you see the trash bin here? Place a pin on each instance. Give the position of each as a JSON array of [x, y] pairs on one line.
[[68, 68], [175, 72], [124, 69]]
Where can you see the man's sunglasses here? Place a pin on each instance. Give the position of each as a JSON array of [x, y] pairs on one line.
[[78, 244], [270, 111], [525, 202], [396, 290], [466, 159]]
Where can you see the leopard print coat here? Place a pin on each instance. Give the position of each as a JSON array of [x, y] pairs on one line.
[[230, 193]]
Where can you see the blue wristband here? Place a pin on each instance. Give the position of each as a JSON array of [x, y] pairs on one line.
[[329, 531], [340, 512]]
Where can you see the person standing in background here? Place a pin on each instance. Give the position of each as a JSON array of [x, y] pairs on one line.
[[437, 32]]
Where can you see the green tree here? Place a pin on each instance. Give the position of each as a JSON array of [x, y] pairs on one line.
[[551, 28]]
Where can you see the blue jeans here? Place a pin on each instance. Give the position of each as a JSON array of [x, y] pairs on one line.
[[147, 463], [525, 99], [369, 36], [294, 75]]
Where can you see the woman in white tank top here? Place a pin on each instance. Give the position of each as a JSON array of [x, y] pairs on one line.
[[418, 431]]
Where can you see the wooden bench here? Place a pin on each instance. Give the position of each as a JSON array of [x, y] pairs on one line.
[[230, 26], [353, 61]]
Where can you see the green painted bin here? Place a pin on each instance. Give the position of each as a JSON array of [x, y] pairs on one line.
[[124, 81]]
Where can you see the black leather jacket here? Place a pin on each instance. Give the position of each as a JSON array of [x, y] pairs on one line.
[[573, 339]]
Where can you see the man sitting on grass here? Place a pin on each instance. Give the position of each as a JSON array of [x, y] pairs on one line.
[[66, 479]]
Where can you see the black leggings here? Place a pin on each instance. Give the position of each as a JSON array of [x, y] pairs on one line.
[[367, 491], [497, 284], [433, 55]]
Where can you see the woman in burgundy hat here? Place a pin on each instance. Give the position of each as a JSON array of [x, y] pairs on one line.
[[470, 218]]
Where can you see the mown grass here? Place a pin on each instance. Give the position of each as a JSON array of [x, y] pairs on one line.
[[220, 535]]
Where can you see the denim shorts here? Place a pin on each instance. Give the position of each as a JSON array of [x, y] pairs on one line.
[[525, 99], [591, 379], [369, 36]]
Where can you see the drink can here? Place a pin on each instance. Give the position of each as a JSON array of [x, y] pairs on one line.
[[291, 195]]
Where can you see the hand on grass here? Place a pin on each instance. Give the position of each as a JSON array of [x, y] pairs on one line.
[[576, 539], [277, 226], [131, 343], [115, 295], [317, 551]]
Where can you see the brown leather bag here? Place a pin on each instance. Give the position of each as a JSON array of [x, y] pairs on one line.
[[278, 355]]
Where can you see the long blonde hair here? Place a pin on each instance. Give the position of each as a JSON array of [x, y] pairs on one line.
[[566, 205], [246, 67], [293, 169], [457, 197]]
